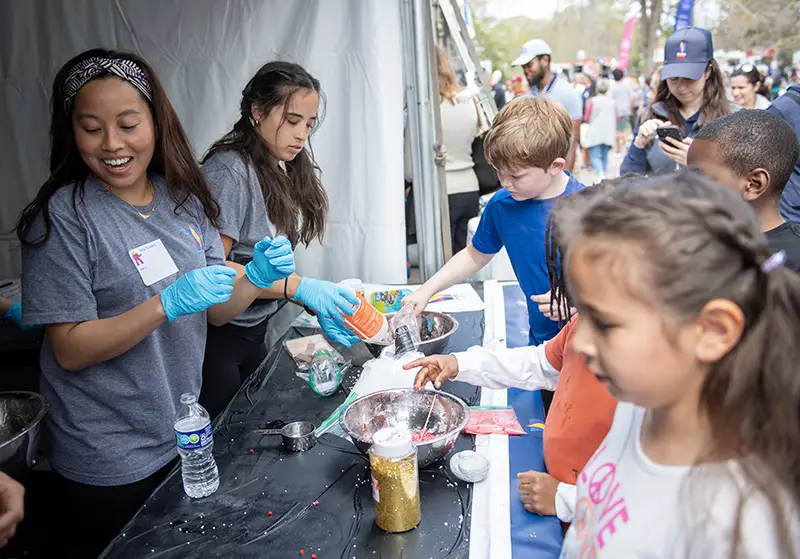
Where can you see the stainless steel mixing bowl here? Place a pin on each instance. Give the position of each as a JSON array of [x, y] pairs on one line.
[[21, 414], [435, 329], [390, 408]]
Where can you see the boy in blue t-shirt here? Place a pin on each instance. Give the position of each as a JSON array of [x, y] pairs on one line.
[[527, 145]]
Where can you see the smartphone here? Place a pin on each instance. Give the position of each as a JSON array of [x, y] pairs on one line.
[[670, 132]]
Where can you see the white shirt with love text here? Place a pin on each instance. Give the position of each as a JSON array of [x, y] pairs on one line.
[[628, 507]]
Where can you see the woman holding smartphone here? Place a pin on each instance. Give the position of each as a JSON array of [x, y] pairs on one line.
[[691, 92], [123, 265], [265, 178]]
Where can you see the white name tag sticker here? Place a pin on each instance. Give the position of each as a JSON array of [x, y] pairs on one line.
[[153, 262]]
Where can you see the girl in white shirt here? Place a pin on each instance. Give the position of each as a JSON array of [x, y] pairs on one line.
[[692, 324]]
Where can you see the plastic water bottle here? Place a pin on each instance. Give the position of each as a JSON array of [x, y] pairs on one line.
[[196, 448]]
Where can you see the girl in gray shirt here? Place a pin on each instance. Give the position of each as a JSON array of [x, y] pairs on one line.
[[266, 181], [123, 265]]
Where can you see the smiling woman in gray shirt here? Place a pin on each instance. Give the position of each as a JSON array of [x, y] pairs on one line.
[[124, 267]]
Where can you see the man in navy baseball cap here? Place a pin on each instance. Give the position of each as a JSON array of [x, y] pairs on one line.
[[687, 53]]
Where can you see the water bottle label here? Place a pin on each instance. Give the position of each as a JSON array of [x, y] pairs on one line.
[[193, 440]]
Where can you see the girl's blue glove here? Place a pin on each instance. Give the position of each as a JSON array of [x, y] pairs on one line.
[[15, 315], [196, 291], [327, 299], [273, 260], [337, 332]]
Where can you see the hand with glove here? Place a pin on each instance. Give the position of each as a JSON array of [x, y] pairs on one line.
[[196, 291], [14, 314], [331, 302], [273, 260], [337, 332]]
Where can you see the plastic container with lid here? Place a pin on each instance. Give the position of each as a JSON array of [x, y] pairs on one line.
[[356, 285], [366, 322], [395, 480]]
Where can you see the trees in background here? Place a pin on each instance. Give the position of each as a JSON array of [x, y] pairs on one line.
[[649, 24], [760, 23], [594, 26]]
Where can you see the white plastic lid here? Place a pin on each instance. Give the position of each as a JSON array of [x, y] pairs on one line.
[[392, 442], [353, 283]]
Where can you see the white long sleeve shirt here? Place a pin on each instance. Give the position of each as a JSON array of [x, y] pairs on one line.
[[526, 368]]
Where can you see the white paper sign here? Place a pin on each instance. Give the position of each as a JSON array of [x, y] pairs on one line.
[[153, 262], [459, 298]]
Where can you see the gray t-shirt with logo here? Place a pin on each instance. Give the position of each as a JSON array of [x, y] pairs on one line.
[[243, 218], [112, 423]]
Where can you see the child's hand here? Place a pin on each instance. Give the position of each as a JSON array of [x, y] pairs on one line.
[[549, 310], [538, 492], [418, 299], [436, 369]]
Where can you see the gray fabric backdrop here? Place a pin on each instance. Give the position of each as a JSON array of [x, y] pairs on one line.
[[205, 51]]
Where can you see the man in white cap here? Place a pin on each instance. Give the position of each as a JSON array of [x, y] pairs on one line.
[[534, 57]]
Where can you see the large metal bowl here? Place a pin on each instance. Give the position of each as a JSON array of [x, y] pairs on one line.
[[435, 329], [21, 414], [390, 408]]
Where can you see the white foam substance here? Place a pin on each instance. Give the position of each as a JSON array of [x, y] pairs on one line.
[[386, 374]]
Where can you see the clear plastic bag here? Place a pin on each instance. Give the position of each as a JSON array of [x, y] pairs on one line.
[[302, 351], [406, 317], [493, 420]]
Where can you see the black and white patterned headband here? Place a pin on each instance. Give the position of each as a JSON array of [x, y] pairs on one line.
[[90, 68]]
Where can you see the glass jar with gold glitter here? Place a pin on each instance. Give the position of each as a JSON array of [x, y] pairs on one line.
[[395, 480]]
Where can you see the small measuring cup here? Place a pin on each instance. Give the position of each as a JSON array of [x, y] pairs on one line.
[[297, 436]]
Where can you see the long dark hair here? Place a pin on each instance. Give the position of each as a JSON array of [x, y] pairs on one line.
[[753, 77], [697, 242], [715, 99], [172, 157], [299, 191], [559, 294]]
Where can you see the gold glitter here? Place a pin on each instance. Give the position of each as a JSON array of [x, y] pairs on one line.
[[395, 487]]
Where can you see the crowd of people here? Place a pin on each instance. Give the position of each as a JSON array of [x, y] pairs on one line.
[[745, 86], [662, 305]]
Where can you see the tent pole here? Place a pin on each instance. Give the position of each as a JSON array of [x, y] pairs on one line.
[[417, 37], [441, 177]]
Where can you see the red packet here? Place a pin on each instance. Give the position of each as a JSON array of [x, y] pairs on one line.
[[493, 420]]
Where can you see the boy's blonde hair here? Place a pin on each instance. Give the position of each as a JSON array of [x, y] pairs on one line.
[[528, 132]]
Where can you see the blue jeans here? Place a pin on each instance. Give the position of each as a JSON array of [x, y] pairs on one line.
[[599, 157]]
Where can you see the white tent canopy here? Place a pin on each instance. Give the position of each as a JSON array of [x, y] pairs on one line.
[[205, 51]]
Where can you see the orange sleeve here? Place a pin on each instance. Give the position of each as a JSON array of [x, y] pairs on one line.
[[554, 350]]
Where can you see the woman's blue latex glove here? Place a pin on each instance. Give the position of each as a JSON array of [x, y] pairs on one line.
[[273, 260], [327, 299], [14, 313], [337, 332], [198, 290]]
